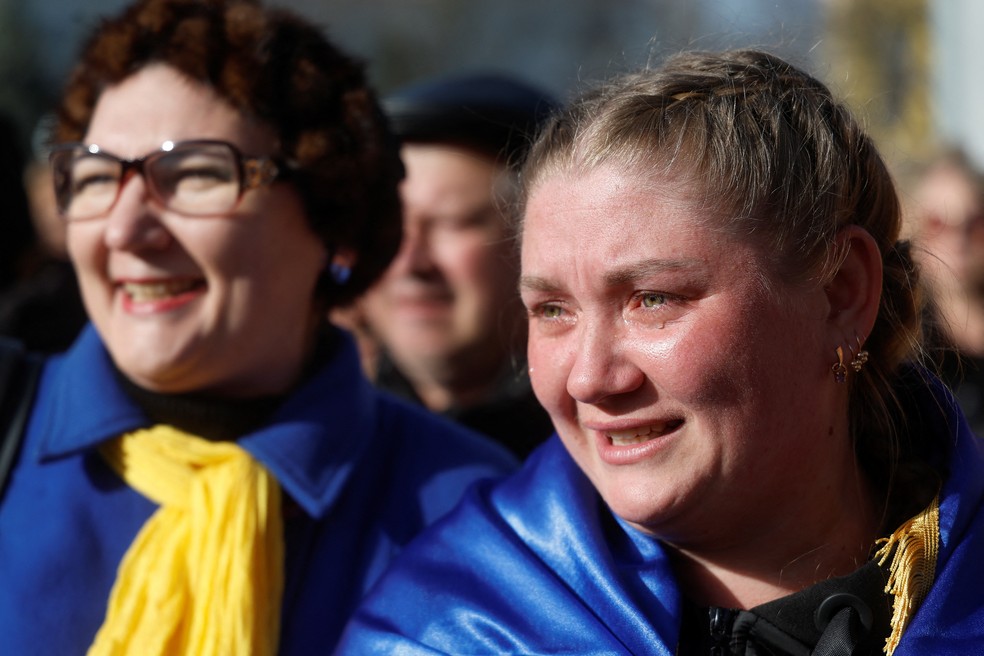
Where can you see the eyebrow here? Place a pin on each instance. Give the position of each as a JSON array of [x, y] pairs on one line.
[[537, 284], [618, 276], [647, 268]]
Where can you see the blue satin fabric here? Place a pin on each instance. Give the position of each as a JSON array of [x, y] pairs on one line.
[[536, 564], [950, 621]]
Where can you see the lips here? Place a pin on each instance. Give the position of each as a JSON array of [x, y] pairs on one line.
[[423, 296]]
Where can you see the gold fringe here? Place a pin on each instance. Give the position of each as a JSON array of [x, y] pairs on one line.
[[916, 544]]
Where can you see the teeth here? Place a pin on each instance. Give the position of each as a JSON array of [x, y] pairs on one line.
[[153, 291], [634, 436], [643, 434], [628, 441]]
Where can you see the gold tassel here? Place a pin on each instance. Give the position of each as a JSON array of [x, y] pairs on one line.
[[916, 544]]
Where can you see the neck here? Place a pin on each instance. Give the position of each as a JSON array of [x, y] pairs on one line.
[[463, 379], [441, 393], [762, 563], [217, 417]]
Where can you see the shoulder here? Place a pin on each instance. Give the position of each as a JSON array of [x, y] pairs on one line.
[[951, 618], [436, 456], [450, 439], [520, 566], [950, 621], [410, 465], [340, 397]]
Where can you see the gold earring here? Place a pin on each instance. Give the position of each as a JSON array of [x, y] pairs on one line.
[[860, 358], [840, 371]]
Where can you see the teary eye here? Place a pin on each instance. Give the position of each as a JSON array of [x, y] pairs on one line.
[[653, 299]]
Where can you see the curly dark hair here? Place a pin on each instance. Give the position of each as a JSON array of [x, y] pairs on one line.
[[274, 66]]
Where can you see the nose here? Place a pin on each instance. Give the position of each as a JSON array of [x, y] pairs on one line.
[[415, 254], [602, 366], [133, 223]]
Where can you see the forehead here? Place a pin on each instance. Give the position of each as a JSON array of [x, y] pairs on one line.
[[436, 171], [158, 104], [618, 206], [604, 224]]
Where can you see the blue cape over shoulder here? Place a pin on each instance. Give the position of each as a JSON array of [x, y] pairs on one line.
[[537, 564]]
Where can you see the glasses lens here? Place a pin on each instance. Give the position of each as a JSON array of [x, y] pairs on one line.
[[196, 179], [86, 184]]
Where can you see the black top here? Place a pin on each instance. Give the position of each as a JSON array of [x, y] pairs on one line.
[[216, 418], [845, 616], [511, 415], [44, 311]]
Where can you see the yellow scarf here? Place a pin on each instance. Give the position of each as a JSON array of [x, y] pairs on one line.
[[205, 573]]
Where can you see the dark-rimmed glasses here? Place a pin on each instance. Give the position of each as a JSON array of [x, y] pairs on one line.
[[194, 178]]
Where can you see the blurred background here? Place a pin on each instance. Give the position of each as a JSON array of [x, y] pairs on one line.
[[905, 65]]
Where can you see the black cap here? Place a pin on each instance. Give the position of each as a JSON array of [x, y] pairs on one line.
[[491, 112]]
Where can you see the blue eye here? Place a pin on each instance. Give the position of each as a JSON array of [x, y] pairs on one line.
[[653, 300]]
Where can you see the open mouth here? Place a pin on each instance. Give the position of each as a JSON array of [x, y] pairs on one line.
[[642, 434], [145, 292]]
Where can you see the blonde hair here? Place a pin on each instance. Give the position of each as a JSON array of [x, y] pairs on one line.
[[780, 162]]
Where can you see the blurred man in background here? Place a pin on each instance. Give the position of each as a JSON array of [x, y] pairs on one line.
[[449, 325]]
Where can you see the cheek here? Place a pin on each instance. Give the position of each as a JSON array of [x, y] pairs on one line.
[[703, 363], [267, 251], [81, 245], [746, 370], [549, 364], [88, 258], [468, 256]]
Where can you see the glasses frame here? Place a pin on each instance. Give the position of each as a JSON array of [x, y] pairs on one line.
[[252, 172]]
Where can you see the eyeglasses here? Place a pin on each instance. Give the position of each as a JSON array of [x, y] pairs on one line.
[[193, 178]]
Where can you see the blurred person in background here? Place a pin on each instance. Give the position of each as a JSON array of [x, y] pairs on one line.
[[446, 314], [206, 469], [43, 309], [18, 248], [946, 219]]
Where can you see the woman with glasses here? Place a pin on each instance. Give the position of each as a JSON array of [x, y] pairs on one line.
[[206, 470]]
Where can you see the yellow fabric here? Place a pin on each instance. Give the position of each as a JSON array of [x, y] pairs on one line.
[[205, 573]]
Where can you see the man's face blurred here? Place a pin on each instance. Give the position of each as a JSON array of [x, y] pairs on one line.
[[449, 298]]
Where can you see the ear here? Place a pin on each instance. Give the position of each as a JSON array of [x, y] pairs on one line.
[[341, 264], [344, 256], [854, 293]]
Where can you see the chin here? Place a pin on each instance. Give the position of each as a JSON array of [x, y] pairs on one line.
[[149, 376], [156, 367], [635, 505]]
